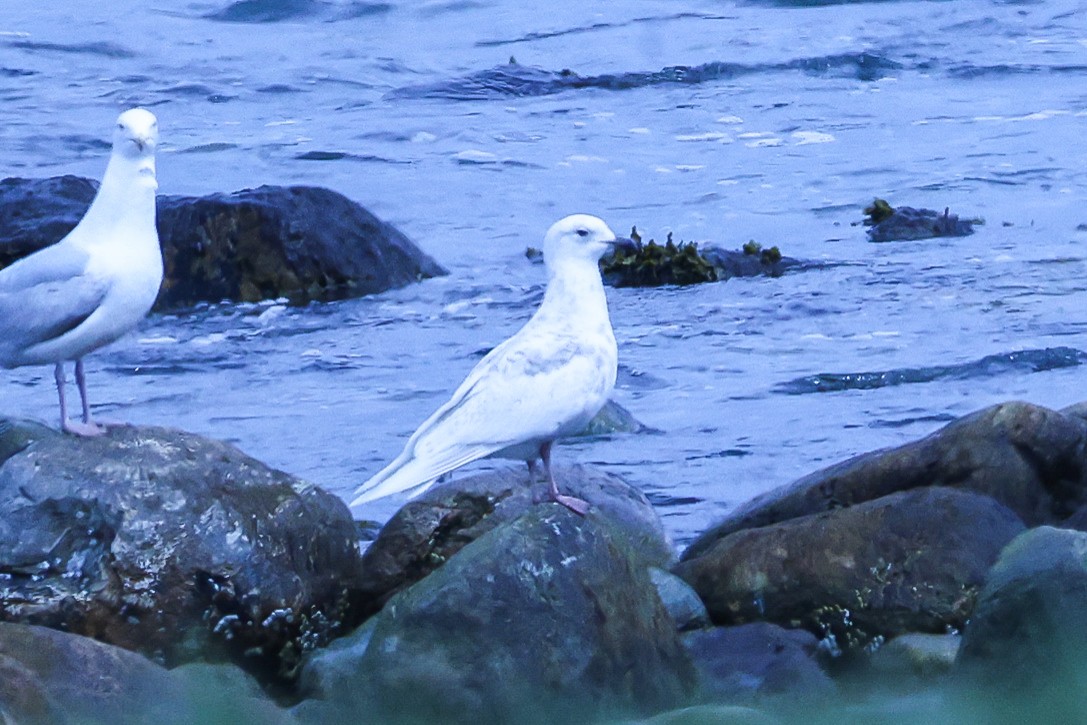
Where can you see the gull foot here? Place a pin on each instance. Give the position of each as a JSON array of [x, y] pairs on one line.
[[578, 505], [84, 430]]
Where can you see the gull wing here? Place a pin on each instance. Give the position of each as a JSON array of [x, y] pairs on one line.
[[530, 387], [43, 296]]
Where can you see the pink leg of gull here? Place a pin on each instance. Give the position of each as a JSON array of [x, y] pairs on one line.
[[85, 428], [577, 505]]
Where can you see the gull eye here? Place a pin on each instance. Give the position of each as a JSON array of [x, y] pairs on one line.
[[583, 232]]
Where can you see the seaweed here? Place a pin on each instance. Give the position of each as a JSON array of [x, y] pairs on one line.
[[652, 264], [877, 211]]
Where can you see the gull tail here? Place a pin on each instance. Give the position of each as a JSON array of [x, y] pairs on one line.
[[403, 474], [415, 474]]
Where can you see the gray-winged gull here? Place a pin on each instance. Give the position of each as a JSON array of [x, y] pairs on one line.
[[544, 383], [99, 281]]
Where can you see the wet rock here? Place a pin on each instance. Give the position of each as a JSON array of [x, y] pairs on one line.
[[1026, 639], [57, 678], [1031, 459], [751, 262], [37, 212], [169, 544], [680, 600], [916, 656], [1028, 622], [614, 418], [908, 562], [515, 80], [759, 662], [1019, 362], [906, 223], [303, 243], [547, 618], [430, 529]]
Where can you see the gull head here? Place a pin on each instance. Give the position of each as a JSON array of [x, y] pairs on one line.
[[577, 237], [137, 134]]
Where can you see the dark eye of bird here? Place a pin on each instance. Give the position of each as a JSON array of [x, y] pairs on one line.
[[583, 232]]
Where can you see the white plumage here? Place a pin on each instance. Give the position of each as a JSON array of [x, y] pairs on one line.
[[97, 283], [544, 383]]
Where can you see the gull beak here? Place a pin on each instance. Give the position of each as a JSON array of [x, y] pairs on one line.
[[625, 244]]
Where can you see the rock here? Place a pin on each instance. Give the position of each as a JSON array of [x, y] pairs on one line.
[[731, 263], [59, 678], [37, 212], [680, 600], [1029, 458], [303, 243], [908, 562], [547, 618], [614, 418], [169, 544], [1026, 638], [916, 656], [906, 223], [430, 529], [753, 663], [1029, 617]]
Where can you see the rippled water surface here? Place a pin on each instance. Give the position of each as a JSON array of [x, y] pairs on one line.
[[717, 121]]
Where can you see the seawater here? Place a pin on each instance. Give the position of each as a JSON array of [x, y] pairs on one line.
[[718, 121]]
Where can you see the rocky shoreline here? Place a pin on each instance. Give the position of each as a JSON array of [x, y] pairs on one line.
[[153, 574]]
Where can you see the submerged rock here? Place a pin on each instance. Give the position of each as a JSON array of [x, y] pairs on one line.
[[1029, 458], [169, 544], [303, 243], [1019, 362], [905, 223], [57, 678], [547, 618], [912, 561], [430, 529]]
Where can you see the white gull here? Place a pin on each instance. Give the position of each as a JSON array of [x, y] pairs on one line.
[[544, 383], [98, 282]]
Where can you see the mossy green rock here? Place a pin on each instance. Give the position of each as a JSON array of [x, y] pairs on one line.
[[169, 544], [908, 562], [547, 618]]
